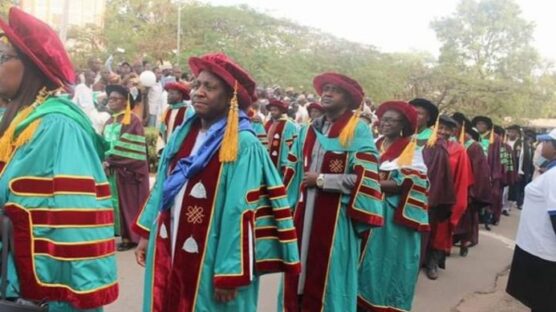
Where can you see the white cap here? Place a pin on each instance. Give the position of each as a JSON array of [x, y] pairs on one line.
[[550, 136]]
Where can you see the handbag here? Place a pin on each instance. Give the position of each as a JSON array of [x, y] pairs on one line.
[[8, 305]]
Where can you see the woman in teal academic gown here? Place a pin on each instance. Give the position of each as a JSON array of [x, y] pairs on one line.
[[217, 216], [390, 261], [52, 184]]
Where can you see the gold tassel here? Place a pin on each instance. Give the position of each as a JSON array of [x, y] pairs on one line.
[[4, 39], [127, 115], [8, 142], [491, 138], [228, 151], [462, 134], [349, 129], [27, 133], [406, 157], [163, 117], [434, 136]]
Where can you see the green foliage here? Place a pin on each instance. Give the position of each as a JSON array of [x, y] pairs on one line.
[[487, 64], [151, 136], [4, 8]]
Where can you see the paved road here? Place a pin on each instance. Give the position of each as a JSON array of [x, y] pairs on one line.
[[468, 284]]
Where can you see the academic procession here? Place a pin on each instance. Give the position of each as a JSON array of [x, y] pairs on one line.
[[346, 199]]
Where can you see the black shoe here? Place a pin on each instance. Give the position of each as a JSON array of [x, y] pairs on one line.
[[487, 227], [432, 273], [126, 246], [463, 251], [506, 213]]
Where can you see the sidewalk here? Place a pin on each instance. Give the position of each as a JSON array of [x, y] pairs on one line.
[[473, 283], [493, 300]]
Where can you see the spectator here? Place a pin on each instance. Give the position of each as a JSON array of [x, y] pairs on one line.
[[302, 115], [85, 98], [532, 277], [138, 67], [124, 69], [155, 100]]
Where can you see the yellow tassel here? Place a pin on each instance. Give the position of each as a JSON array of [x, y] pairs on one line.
[[349, 129], [462, 134], [8, 142], [228, 151], [163, 117], [406, 157], [491, 138], [27, 133], [127, 115], [4, 39], [434, 136]]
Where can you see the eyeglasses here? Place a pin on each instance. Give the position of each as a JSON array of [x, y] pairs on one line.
[[390, 120], [115, 99], [331, 88], [6, 57]]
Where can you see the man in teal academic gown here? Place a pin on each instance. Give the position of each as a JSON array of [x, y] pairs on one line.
[[281, 133], [333, 185], [217, 216]]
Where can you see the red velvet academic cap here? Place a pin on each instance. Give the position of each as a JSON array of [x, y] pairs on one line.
[[224, 67], [277, 103], [404, 108], [315, 105], [351, 86], [180, 87], [40, 44]]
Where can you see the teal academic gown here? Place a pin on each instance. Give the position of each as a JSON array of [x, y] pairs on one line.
[[54, 190], [260, 131], [281, 136], [390, 261], [331, 221], [229, 233]]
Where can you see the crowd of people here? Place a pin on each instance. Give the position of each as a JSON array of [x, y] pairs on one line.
[[347, 200]]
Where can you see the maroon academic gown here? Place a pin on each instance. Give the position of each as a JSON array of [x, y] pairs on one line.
[[441, 195], [132, 179], [275, 137], [479, 195], [180, 117], [497, 177], [462, 178]]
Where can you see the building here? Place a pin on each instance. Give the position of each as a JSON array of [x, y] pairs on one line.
[[79, 12]]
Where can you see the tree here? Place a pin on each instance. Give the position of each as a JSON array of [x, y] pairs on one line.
[[141, 28], [4, 8], [488, 37], [487, 62]]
